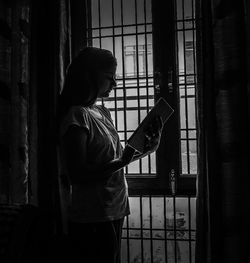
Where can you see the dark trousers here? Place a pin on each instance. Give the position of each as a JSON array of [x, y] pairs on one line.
[[95, 242]]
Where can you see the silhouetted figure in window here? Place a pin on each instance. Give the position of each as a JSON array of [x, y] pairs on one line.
[[92, 159]]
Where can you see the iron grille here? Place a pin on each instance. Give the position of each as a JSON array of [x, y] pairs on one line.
[[159, 228], [125, 28], [186, 81]]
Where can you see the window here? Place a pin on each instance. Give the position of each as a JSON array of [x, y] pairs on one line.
[[155, 48]]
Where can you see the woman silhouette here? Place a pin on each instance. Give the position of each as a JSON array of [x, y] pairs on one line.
[[92, 158]]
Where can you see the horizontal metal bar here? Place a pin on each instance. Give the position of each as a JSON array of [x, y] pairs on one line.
[[160, 229], [128, 109], [120, 35], [152, 238], [189, 129], [142, 97], [185, 20], [118, 26]]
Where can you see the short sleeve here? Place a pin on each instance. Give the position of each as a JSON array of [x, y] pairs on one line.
[[106, 112], [76, 116]]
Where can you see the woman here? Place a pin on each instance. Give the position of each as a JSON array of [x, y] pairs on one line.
[[92, 158]]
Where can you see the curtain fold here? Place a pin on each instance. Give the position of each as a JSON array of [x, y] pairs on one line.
[[64, 58], [223, 188]]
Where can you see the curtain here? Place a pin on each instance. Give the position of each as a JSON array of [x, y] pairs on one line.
[[222, 187], [50, 55], [14, 95]]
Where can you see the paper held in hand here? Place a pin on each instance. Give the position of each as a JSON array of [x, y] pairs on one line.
[[162, 109]]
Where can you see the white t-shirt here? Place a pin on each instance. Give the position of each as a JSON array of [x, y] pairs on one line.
[[98, 200]]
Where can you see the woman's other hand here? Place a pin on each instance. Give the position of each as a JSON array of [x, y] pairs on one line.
[[153, 135]]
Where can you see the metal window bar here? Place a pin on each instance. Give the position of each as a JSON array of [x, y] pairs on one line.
[[165, 229], [141, 230], [99, 21], [124, 84], [165, 236], [113, 39], [185, 88], [194, 64], [147, 75], [185, 37], [137, 74], [151, 229], [140, 80]]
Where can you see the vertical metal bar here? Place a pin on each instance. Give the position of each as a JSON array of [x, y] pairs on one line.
[[128, 249], [113, 26], [175, 232], [165, 228], [151, 229], [185, 86], [141, 223], [195, 70], [194, 29], [178, 78], [146, 60], [99, 22], [113, 38], [189, 230], [89, 23], [123, 78], [137, 75]]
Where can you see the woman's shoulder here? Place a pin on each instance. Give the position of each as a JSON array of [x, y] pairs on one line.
[[77, 111], [77, 116]]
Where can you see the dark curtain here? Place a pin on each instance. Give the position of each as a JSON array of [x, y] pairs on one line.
[[40, 53], [50, 55], [223, 188]]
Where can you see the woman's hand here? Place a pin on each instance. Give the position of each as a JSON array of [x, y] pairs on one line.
[[152, 141], [153, 135]]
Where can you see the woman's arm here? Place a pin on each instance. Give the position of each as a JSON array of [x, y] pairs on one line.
[[75, 144]]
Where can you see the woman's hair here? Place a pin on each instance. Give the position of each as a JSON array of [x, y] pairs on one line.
[[80, 82]]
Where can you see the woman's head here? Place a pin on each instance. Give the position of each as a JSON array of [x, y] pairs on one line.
[[89, 76]]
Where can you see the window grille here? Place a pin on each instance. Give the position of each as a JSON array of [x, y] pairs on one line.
[[125, 28], [186, 79], [161, 228]]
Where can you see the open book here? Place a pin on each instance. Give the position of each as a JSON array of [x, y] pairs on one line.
[[162, 109]]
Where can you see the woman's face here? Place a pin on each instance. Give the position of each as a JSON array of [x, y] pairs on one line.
[[106, 82]]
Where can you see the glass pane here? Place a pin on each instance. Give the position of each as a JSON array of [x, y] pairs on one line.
[[106, 13], [129, 12]]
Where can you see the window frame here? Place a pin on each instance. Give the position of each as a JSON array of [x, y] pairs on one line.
[[168, 180]]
